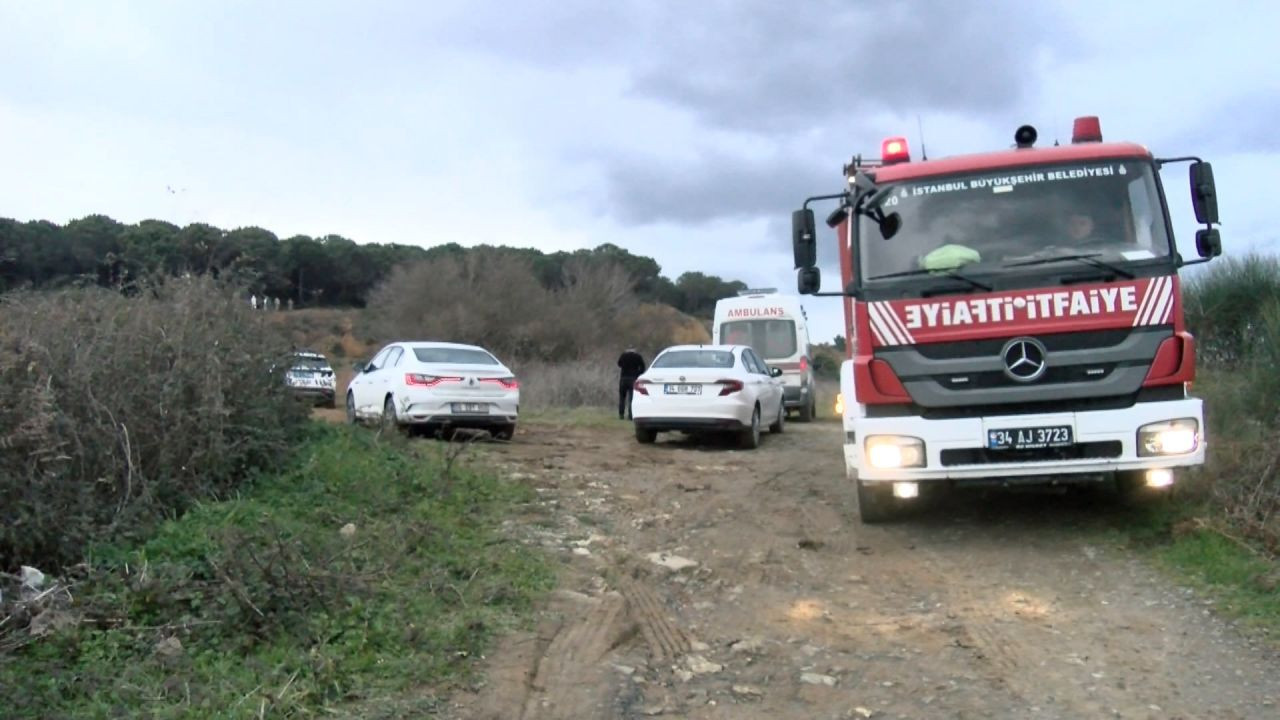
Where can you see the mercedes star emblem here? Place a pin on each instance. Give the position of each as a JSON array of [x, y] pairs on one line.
[[1024, 359]]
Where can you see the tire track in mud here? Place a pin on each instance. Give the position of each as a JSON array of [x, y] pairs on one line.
[[666, 641], [998, 610], [569, 677]]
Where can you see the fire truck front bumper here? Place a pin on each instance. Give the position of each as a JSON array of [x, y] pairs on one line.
[[1043, 447]]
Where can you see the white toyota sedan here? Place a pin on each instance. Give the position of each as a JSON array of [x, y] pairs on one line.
[[708, 388], [435, 386]]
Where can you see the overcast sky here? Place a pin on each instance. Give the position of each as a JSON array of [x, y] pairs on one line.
[[685, 131]]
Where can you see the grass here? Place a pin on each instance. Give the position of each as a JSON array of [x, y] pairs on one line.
[[581, 416], [1179, 537], [368, 570]]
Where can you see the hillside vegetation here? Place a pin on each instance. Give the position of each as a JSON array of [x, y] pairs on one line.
[[1233, 309], [330, 270]]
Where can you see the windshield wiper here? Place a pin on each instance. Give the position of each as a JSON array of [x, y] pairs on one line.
[[948, 273], [1088, 259]]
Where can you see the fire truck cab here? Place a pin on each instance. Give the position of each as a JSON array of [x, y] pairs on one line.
[[1012, 317]]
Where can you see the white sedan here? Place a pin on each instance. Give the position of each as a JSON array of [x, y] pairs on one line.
[[435, 386], [708, 388]]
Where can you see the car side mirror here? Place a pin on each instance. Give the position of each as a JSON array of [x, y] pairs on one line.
[[775, 372], [1204, 194], [1208, 243], [804, 243], [808, 280]]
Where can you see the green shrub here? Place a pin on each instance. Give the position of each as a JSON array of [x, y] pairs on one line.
[[1233, 308], [364, 571], [117, 411]]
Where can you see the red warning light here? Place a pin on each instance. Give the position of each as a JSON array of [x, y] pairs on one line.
[[1086, 129], [894, 150]]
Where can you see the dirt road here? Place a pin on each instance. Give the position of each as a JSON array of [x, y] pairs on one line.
[[1004, 607]]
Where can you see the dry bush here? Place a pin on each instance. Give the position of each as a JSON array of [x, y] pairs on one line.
[[576, 383], [116, 411], [1233, 308], [496, 300]]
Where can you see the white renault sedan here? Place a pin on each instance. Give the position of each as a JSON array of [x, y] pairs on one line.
[[708, 388], [435, 386]]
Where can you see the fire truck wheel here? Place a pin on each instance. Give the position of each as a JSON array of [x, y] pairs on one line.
[[876, 503]]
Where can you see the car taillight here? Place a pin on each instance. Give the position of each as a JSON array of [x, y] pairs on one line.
[[728, 387], [641, 386], [509, 383], [421, 380], [804, 363]]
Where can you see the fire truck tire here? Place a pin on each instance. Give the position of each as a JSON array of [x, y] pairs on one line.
[[876, 503]]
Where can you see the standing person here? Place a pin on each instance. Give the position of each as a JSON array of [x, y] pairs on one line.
[[630, 366]]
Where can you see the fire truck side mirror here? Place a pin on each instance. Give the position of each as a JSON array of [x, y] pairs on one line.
[[808, 280], [1208, 243], [804, 243], [1204, 196]]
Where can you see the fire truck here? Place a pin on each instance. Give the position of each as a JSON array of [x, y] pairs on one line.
[[1012, 317]]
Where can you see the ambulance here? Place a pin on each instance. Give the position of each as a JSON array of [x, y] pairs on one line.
[[775, 326]]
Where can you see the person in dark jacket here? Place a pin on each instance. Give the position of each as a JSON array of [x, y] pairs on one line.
[[630, 366]]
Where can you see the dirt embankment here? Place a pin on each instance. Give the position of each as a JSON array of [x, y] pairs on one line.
[[715, 583]]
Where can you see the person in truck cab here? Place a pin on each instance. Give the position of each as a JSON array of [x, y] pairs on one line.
[[1079, 227]]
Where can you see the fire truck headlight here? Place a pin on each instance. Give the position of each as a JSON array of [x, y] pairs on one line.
[[1172, 437], [887, 452]]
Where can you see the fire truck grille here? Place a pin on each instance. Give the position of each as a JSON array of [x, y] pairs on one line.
[[1075, 366], [1079, 451], [1057, 342]]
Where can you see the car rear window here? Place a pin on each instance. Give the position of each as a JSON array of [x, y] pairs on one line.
[[456, 356], [771, 339], [695, 359], [310, 363]]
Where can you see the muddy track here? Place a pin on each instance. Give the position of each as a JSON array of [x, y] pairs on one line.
[[708, 582]]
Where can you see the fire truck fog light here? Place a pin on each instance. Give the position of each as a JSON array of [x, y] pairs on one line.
[[887, 452], [1159, 478], [906, 490], [1174, 437]]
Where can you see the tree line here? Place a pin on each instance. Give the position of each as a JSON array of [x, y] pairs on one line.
[[312, 271]]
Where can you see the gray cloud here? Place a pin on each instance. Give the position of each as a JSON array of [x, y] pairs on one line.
[[815, 75], [768, 66], [711, 186], [1241, 124]]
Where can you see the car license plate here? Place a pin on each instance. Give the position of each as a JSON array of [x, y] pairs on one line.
[[682, 389], [470, 408], [1032, 438]]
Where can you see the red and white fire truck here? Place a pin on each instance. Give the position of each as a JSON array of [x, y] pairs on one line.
[[1012, 317]]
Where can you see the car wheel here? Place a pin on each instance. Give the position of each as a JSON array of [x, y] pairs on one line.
[[876, 503], [389, 421], [805, 413], [331, 403], [505, 433], [777, 425], [750, 437], [351, 409], [645, 436]]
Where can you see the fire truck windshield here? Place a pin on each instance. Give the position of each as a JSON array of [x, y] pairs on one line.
[[990, 224]]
